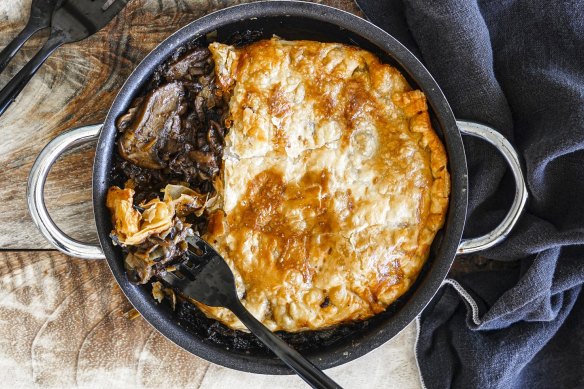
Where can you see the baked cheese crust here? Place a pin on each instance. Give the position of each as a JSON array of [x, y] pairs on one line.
[[334, 183]]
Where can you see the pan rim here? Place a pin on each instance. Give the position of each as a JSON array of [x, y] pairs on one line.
[[454, 225]]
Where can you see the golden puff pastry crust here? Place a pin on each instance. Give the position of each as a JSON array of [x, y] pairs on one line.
[[334, 183]]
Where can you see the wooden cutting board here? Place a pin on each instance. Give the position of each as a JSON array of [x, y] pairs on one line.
[[63, 321]]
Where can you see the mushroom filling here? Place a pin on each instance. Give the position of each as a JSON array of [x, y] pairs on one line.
[[170, 147]]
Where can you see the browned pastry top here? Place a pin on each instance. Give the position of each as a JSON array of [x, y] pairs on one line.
[[333, 185]]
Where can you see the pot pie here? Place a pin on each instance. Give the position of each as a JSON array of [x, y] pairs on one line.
[[319, 179]]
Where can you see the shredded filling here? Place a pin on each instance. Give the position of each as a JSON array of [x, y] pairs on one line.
[[170, 148]]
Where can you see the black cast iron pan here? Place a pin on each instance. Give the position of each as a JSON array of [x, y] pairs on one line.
[[289, 20]]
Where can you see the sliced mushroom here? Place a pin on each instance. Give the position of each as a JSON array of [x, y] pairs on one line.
[[147, 133], [126, 119], [189, 66], [206, 162], [215, 137]]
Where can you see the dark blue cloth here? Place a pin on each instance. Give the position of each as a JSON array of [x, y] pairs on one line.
[[519, 67]]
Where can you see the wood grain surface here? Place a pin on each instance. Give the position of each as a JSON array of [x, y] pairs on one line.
[[64, 322]]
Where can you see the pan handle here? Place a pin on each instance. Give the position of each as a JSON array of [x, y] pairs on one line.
[[69, 246], [36, 187], [500, 232]]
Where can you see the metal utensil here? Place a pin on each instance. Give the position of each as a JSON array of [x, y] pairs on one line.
[[73, 21], [41, 12], [206, 278]]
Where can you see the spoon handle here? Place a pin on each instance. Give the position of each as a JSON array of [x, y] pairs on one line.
[[302, 366], [9, 93], [10, 51]]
